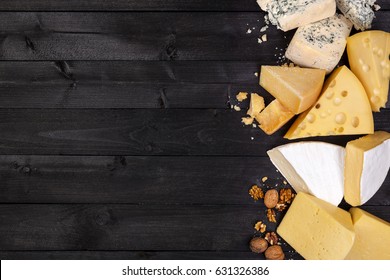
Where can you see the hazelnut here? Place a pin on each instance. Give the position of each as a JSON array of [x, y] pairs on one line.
[[274, 252], [271, 198], [258, 245]]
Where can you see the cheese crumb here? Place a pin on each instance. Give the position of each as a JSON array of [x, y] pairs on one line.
[[242, 96], [264, 38], [249, 31], [264, 28], [254, 125], [259, 41], [264, 179], [256, 74], [252, 138], [236, 108], [247, 120], [376, 7]]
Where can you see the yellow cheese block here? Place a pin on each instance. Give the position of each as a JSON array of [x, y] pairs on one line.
[[366, 165], [256, 105], [317, 229], [368, 55], [273, 117], [296, 88], [342, 109], [372, 241]]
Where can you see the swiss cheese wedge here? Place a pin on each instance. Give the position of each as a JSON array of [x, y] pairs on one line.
[[372, 239], [296, 88], [367, 163], [368, 55], [342, 109]]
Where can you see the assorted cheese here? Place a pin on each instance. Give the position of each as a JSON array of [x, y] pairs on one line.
[[296, 88], [342, 109], [359, 12], [366, 166], [368, 54], [372, 237], [317, 229], [312, 167], [320, 44], [273, 117], [290, 14]]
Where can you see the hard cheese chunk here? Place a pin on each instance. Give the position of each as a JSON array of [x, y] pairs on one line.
[[273, 117], [366, 166], [359, 12], [316, 229], [368, 55], [342, 109], [256, 105], [296, 88], [316, 168], [372, 240], [290, 14], [320, 44]]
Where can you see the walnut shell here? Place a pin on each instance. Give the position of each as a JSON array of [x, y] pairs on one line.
[[274, 252], [258, 245], [271, 198]]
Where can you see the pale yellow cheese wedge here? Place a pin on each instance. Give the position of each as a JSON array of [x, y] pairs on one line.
[[273, 117], [317, 229], [368, 55], [256, 105], [296, 88], [342, 109], [372, 241], [367, 163]]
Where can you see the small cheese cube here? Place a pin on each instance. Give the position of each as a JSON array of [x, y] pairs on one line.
[[359, 12], [320, 44], [342, 109], [368, 55], [290, 14], [367, 163], [256, 105], [316, 229], [296, 88], [372, 240], [273, 117]]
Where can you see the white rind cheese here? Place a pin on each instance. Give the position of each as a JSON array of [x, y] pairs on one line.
[[320, 44], [316, 168], [360, 12], [290, 14]]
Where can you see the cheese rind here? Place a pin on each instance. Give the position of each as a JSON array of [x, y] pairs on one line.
[[290, 14], [320, 44], [342, 109], [273, 117], [372, 240], [368, 55], [316, 229], [312, 167], [359, 12], [367, 163], [296, 88]]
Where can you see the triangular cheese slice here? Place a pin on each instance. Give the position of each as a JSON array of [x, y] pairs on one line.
[[342, 109], [296, 88], [316, 168], [368, 55], [367, 163]]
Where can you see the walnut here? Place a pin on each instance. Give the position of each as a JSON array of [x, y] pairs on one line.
[[256, 193], [271, 198], [258, 245], [260, 226], [280, 207], [271, 215], [286, 196], [272, 238], [274, 252]]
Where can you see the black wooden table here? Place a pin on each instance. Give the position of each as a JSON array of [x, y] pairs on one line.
[[117, 140]]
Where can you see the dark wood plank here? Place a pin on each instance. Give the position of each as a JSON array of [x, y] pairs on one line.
[[125, 36], [133, 5], [140, 132], [138, 255], [146, 180], [132, 227]]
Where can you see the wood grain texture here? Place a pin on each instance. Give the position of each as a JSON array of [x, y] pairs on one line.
[[146, 180], [124, 36], [141, 132], [133, 5], [133, 227]]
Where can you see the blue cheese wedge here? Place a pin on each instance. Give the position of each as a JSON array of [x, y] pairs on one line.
[[320, 44], [360, 12], [290, 14]]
